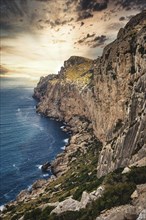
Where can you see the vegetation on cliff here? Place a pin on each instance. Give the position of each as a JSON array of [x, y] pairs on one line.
[[118, 190], [103, 105]]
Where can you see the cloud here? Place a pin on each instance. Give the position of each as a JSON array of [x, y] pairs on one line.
[[7, 28], [7, 49], [93, 41], [27, 25], [99, 41], [3, 70], [122, 18], [16, 17], [95, 5], [130, 4], [43, 0], [115, 26]]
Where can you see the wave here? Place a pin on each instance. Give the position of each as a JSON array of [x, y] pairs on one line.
[[63, 148], [26, 98], [66, 140], [39, 166], [2, 207], [29, 188], [17, 168], [24, 131], [7, 195], [46, 175], [39, 127]]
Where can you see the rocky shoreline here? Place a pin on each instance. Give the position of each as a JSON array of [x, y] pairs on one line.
[[102, 103]]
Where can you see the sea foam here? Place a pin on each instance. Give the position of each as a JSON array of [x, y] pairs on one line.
[[39, 167], [66, 140]]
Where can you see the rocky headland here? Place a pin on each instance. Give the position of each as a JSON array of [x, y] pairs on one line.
[[103, 105], [108, 92]]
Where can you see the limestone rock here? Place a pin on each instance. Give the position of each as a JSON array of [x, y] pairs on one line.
[[86, 198], [129, 212], [101, 101], [67, 205], [119, 213], [89, 197], [109, 93], [134, 195], [126, 170], [140, 201], [98, 193], [142, 215], [24, 194], [38, 184]]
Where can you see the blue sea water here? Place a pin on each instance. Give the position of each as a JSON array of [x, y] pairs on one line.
[[27, 140]]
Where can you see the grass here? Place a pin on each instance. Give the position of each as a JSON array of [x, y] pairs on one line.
[[118, 190], [82, 176], [79, 74]]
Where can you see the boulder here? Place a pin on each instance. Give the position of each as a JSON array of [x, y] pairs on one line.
[[98, 193], [126, 170], [126, 212], [142, 215], [24, 194], [45, 167], [67, 205], [38, 184], [86, 198]]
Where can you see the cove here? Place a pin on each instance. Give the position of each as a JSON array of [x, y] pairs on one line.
[[27, 140]]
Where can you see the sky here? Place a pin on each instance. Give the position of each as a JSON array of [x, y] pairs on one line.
[[37, 36]]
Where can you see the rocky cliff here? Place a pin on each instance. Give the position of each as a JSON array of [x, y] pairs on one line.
[[108, 92], [102, 104]]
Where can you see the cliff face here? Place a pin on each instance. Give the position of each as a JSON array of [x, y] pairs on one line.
[[103, 104], [108, 92]]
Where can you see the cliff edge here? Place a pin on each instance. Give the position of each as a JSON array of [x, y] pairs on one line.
[[108, 92], [101, 174]]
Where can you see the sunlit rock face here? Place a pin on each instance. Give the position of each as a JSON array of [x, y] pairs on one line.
[[109, 92], [126, 138]]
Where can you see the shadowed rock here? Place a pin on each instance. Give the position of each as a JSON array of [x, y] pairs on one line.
[[45, 167]]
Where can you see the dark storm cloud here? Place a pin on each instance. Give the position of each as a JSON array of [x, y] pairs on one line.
[[10, 30], [95, 5], [5, 26], [99, 41], [11, 15], [17, 17], [7, 30], [43, 0], [85, 8], [12, 8], [93, 41], [20, 15]]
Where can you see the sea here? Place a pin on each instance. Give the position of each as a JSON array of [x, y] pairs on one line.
[[27, 140]]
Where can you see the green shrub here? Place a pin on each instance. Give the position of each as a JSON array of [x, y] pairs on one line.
[[32, 215], [137, 175], [78, 193], [16, 216], [119, 194], [45, 213]]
